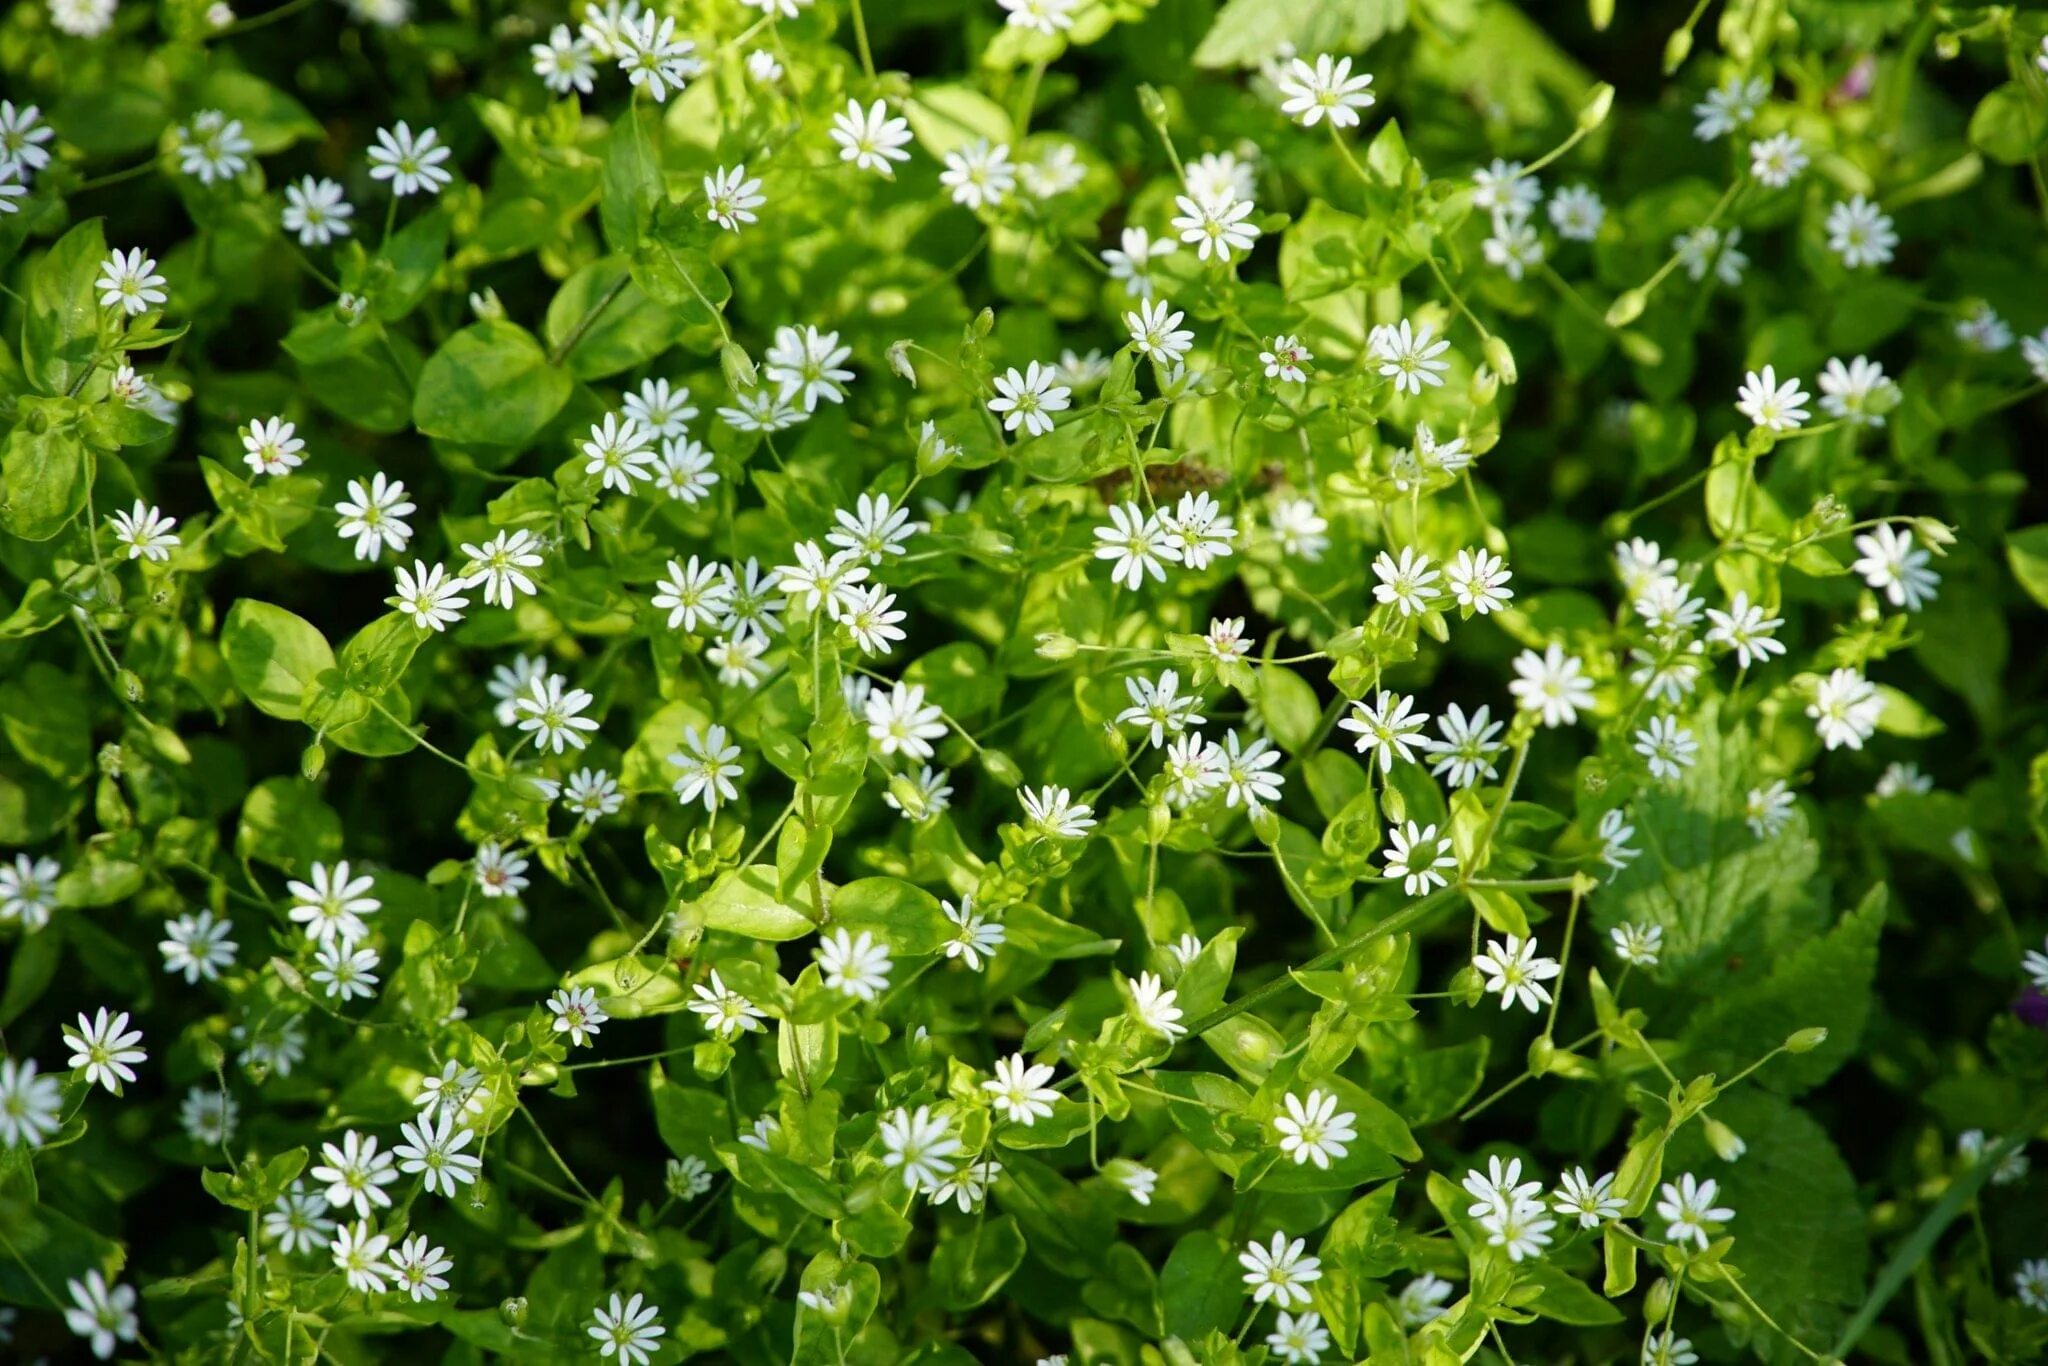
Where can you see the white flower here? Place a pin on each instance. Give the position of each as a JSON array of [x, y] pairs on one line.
[[975, 938], [29, 1104], [454, 1090], [684, 472], [919, 1146], [1512, 247], [1591, 1201], [145, 531], [1020, 1091], [410, 164], [663, 410], [355, 1173], [694, 595], [1314, 1129], [1860, 233], [1193, 769], [1615, 833], [654, 58], [1133, 1178], [28, 891], [1769, 404], [344, 970], [815, 582], [726, 1013], [1668, 1350], [968, 1186], [498, 565], [1215, 227], [1416, 855], [1972, 1148], [1299, 528], [82, 18], [979, 175], [270, 446], [360, 1256], [1667, 747], [1636, 944], [375, 516], [708, 766], [1515, 972], [1225, 639], [1704, 249], [1980, 328], [1053, 172], [1296, 1340], [2030, 1283], [1731, 105], [869, 138], [213, 147], [104, 1317], [1140, 545], [1745, 629], [876, 529], [1029, 398], [1890, 563], [563, 62], [315, 210], [417, 1269], [1131, 260], [1858, 392], [1159, 707], [577, 1013], [10, 190], [1279, 1271], [555, 716], [1409, 584], [1222, 175], [499, 872], [433, 1151], [429, 596], [1845, 709], [1040, 16], [1156, 331], [687, 1178], [1478, 580], [618, 452], [762, 66], [2035, 351], [298, 1220], [627, 1330], [1499, 1187], [1504, 191], [900, 722], [1408, 356], [807, 364], [871, 617], [856, 966], [1247, 776], [2034, 963], [765, 1128], [1053, 811], [1154, 1005], [731, 196], [1285, 358], [22, 135], [1638, 564], [331, 904], [1776, 161], [102, 1047], [1668, 677], [1466, 753], [1900, 779], [759, 410], [1553, 684], [1687, 1209], [931, 796], [1390, 729], [1522, 1230], [1422, 1301], [1327, 89], [1577, 212], [198, 946]]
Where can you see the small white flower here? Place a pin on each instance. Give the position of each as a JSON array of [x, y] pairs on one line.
[[1769, 404], [316, 212], [1667, 747], [1133, 1178], [1860, 233], [1154, 1005], [198, 946], [1890, 563], [22, 135], [298, 1221], [564, 63], [919, 1146], [1859, 392], [145, 531], [663, 410], [1408, 585], [1286, 360], [731, 196], [1019, 1091], [708, 765], [429, 596], [900, 721], [1971, 1146], [1140, 544], [1248, 779], [1421, 1301], [1552, 684], [410, 163], [1467, 751], [931, 796], [270, 446], [975, 938], [1522, 1230], [345, 970], [1314, 1130], [1028, 398], [687, 1178], [1512, 247], [1577, 213], [577, 1013], [1514, 971], [618, 452], [102, 1047], [1325, 90], [130, 283], [807, 365], [417, 1268], [979, 175], [1745, 629], [1407, 355], [30, 1105], [1156, 331], [1688, 1210], [815, 582], [1418, 855], [499, 564], [499, 872], [1159, 707], [1215, 227], [725, 1012], [1503, 190], [1668, 1350], [331, 904], [1299, 528], [1615, 833], [1638, 945], [1705, 248], [1845, 709], [627, 1330], [1591, 1201], [1389, 730], [103, 1316], [374, 516], [1731, 105], [876, 529], [1040, 16], [1776, 161], [1131, 260], [1478, 580], [654, 58], [355, 1173], [1980, 328], [1301, 1339], [857, 966], [1279, 1271], [870, 138], [433, 1151], [1052, 811], [553, 714], [684, 472], [694, 595]]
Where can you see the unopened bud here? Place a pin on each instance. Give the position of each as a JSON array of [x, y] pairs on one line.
[[312, 761], [1158, 820], [1627, 307], [1657, 1303], [737, 365], [1001, 767], [1153, 105], [1676, 49], [1938, 534], [1601, 12], [1498, 356], [513, 1311], [1056, 645], [1726, 1143], [1641, 349], [1806, 1040], [1593, 112], [1541, 1051]]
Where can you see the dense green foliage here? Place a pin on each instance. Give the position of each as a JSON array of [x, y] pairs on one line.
[[984, 941]]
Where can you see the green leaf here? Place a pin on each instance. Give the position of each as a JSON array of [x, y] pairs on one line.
[[2008, 126], [1702, 875], [632, 179], [1200, 1288], [1248, 32], [44, 713], [44, 474], [1289, 706], [904, 917], [744, 902], [945, 118], [2026, 551], [489, 384], [274, 656], [60, 327], [972, 1262], [601, 322]]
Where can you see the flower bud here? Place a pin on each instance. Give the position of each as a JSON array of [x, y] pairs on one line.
[[350, 308], [899, 360], [1056, 645], [486, 305], [312, 761], [1657, 1303], [1641, 349], [1726, 1143], [1153, 105], [1498, 356], [1938, 534], [1158, 820], [1806, 1040], [513, 1311], [1627, 307], [1541, 1051], [737, 365], [1593, 112], [1676, 49], [1601, 12], [1001, 767]]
